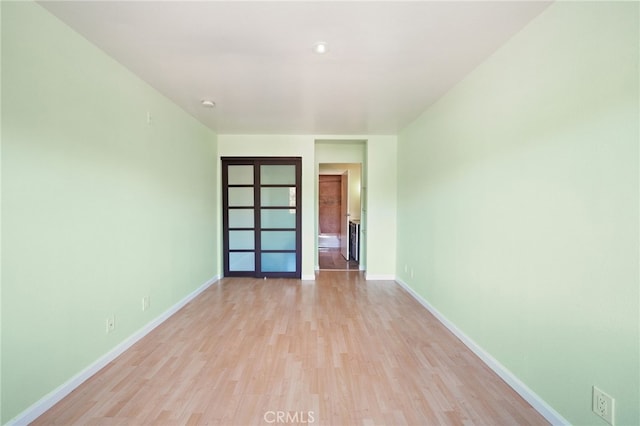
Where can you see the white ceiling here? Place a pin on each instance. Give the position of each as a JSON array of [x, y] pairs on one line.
[[387, 61]]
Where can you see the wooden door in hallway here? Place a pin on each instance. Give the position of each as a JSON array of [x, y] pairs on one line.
[[329, 203]]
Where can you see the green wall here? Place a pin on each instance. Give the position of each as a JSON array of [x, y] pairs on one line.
[[379, 200], [1, 417], [99, 207], [518, 207]]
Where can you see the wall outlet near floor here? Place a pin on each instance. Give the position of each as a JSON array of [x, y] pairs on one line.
[[146, 303], [111, 324], [603, 405]]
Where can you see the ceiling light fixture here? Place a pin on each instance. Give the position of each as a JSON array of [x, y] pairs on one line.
[[208, 104], [320, 47]]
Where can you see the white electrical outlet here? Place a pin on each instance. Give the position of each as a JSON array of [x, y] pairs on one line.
[[603, 405], [146, 303], [111, 324]]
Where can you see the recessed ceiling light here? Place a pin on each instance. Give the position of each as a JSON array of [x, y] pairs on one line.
[[208, 104], [320, 47]]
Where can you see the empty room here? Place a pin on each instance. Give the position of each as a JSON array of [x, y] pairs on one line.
[[329, 213]]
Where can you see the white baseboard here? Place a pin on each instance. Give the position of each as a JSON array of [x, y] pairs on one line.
[[516, 384], [379, 277], [53, 397], [309, 277]]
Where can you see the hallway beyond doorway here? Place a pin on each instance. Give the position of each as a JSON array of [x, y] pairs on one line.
[[330, 258]]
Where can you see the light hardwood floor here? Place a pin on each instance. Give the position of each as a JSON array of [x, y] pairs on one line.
[[342, 351]]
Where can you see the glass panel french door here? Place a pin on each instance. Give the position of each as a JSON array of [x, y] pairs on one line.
[[239, 218], [262, 217]]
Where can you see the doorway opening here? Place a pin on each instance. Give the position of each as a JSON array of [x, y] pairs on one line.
[[339, 212]]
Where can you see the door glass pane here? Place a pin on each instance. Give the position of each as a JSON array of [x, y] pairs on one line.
[[240, 197], [278, 218], [275, 227], [240, 175], [278, 240], [280, 197], [278, 262], [277, 175], [244, 261], [240, 218], [241, 240]]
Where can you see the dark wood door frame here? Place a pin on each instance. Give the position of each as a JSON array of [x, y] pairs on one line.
[[257, 162]]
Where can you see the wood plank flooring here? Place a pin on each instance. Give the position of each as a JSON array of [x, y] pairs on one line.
[[342, 351], [332, 259]]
